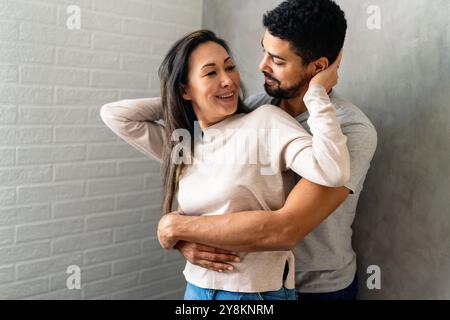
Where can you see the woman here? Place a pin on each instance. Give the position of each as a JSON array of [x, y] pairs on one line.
[[200, 83]]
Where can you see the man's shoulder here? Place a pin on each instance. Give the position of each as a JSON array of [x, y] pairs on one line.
[[257, 100], [361, 136], [351, 116]]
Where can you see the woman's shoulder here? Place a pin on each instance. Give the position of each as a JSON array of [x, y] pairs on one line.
[[267, 110], [268, 114]]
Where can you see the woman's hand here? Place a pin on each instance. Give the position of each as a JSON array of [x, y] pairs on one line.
[[207, 257], [329, 77], [166, 231]]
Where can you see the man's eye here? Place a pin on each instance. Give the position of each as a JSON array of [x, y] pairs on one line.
[[230, 68]]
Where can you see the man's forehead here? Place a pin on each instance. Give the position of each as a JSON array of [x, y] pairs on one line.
[[276, 46], [281, 49]]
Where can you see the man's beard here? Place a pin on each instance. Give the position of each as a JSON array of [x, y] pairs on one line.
[[284, 93]]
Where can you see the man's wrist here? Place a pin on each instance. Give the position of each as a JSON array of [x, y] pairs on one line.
[[175, 227]]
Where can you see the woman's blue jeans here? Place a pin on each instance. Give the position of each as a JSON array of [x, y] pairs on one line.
[[195, 293]]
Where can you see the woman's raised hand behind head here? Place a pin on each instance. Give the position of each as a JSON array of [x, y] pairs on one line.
[[329, 77]]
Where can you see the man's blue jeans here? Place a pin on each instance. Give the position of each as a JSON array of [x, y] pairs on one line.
[[196, 293]]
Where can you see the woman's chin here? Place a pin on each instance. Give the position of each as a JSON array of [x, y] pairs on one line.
[[228, 108], [232, 110]]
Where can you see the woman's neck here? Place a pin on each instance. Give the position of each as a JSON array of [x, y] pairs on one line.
[[206, 123]]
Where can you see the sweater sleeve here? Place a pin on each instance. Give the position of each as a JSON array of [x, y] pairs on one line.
[[135, 121], [322, 158]]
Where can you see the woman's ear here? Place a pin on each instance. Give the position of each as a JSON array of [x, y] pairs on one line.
[[184, 90], [320, 65]]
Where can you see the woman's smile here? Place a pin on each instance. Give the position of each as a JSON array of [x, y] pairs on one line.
[[227, 98]]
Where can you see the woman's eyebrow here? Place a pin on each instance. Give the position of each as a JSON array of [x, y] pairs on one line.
[[208, 65], [213, 64]]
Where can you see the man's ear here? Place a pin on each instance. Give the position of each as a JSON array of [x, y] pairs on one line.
[[320, 65], [184, 90]]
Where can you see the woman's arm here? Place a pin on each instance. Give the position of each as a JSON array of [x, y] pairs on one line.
[[135, 122], [323, 158]]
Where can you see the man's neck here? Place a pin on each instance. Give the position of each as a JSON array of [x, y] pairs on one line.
[[296, 106]]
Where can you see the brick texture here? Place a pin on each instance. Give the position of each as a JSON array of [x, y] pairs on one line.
[[71, 192]]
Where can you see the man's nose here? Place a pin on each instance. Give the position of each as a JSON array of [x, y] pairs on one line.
[[264, 66]]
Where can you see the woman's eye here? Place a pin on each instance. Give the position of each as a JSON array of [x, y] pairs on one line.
[[211, 73], [231, 68]]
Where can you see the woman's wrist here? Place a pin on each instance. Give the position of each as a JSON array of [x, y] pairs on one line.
[[315, 92], [317, 100], [317, 86]]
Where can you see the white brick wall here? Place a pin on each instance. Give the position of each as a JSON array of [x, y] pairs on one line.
[[71, 192]]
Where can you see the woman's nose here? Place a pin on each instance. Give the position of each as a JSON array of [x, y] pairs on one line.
[[226, 81]]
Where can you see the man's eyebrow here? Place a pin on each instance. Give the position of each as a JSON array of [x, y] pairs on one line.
[[213, 64], [275, 56], [271, 54]]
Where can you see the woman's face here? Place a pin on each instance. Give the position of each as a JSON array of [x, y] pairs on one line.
[[213, 84]]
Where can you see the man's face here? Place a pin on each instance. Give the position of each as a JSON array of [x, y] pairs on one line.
[[285, 75]]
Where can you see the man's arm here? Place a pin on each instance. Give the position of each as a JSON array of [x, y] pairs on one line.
[[307, 206]]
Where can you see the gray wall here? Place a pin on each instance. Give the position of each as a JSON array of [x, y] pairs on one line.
[[400, 77], [71, 192]]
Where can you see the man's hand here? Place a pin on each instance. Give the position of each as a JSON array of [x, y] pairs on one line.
[[165, 231], [329, 77], [207, 257]]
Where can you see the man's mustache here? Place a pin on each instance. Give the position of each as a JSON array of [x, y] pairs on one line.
[[271, 78]]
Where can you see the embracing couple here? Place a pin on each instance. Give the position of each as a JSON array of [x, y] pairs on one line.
[[247, 233]]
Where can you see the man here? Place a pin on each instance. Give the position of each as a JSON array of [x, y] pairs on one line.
[[302, 38]]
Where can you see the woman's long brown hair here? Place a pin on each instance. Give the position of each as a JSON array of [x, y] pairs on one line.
[[177, 112]]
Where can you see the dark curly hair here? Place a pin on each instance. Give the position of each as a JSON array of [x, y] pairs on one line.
[[314, 28]]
